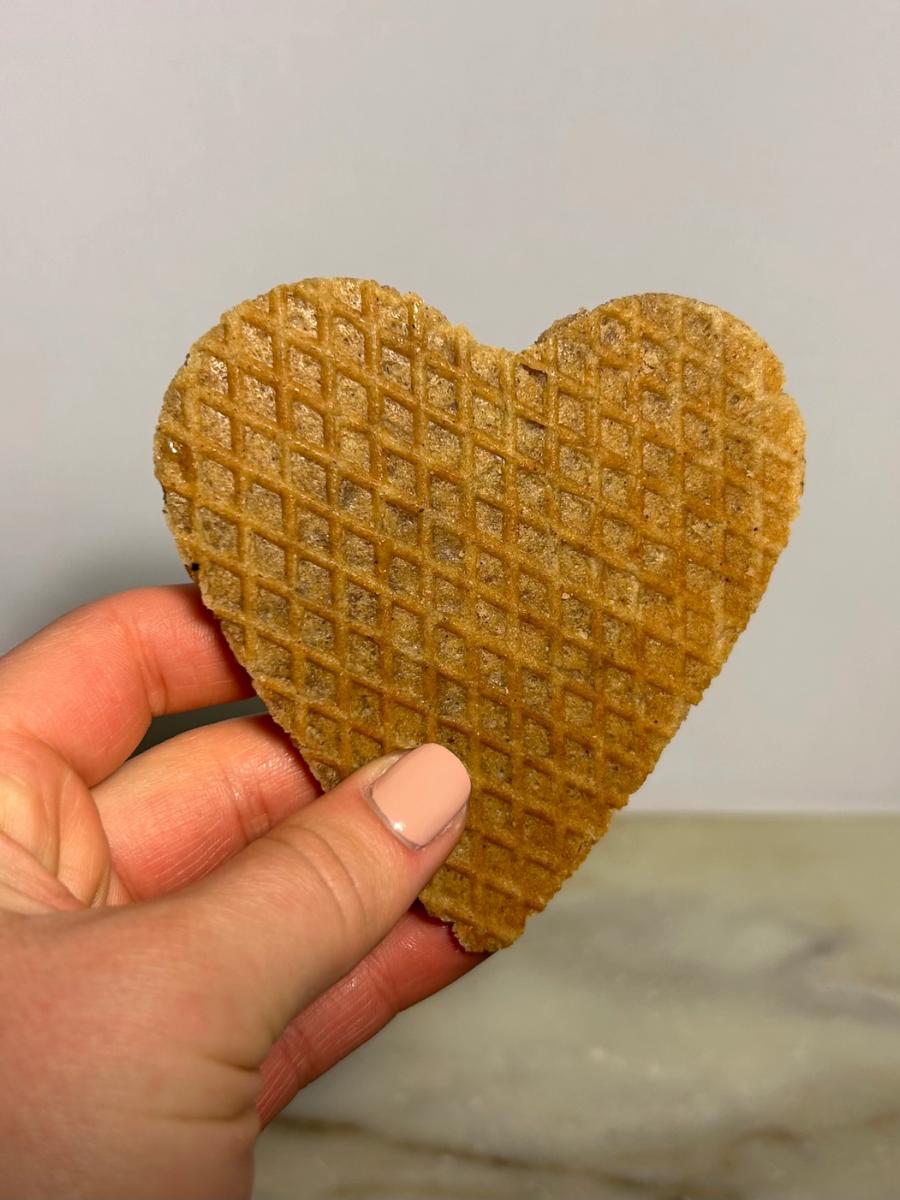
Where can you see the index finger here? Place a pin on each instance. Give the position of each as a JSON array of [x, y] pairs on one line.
[[89, 684]]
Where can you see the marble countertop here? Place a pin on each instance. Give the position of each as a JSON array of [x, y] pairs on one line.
[[710, 1008]]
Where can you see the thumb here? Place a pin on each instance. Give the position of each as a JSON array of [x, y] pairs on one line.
[[297, 909]]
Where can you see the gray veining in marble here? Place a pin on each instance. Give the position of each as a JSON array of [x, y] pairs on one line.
[[710, 1008]]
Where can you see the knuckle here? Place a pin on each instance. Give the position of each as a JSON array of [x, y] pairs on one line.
[[331, 886]]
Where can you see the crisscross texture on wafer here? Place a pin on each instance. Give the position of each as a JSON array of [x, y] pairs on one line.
[[539, 560]]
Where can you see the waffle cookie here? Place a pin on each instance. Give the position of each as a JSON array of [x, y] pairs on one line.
[[539, 560]]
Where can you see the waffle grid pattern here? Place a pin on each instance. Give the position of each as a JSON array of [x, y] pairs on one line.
[[536, 559]]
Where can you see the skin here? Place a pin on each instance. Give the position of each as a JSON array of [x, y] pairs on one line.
[[189, 937]]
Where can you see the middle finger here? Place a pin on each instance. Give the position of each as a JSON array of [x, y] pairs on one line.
[[180, 809]]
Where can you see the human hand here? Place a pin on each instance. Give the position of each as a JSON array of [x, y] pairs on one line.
[[190, 936]]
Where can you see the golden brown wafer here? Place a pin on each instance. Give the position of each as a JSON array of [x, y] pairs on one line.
[[539, 560]]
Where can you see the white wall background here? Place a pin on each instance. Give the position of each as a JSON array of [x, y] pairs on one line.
[[509, 161]]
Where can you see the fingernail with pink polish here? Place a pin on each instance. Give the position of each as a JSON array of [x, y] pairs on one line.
[[420, 794]]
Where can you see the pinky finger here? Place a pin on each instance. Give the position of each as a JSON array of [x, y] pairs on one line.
[[417, 958]]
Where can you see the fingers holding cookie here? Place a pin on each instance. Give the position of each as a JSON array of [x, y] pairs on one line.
[[115, 664], [177, 811]]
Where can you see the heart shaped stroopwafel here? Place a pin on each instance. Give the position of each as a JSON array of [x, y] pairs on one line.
[[539, 560]]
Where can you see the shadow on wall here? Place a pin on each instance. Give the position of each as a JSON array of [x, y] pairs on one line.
[[117, 570], [163, 728]]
